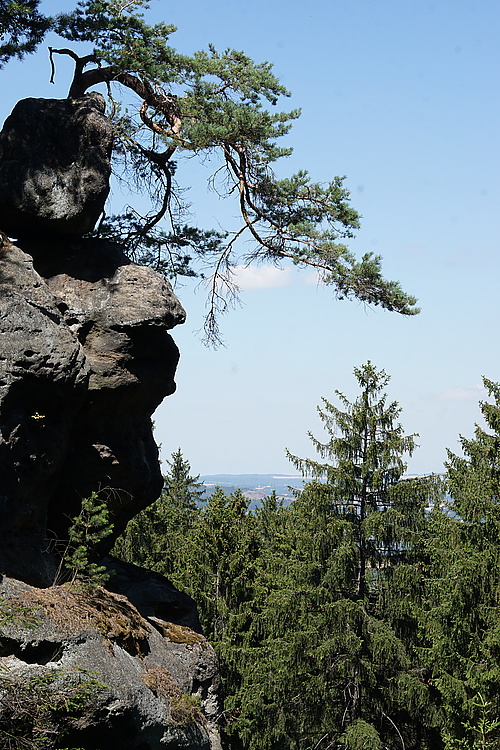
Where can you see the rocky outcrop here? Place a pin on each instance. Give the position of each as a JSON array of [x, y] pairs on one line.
[[88, 667], [85, 359], [54, 166], [152, 594], [85, 353]]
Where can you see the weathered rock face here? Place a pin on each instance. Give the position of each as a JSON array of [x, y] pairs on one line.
[[137, 683], [85, 359], [54, 166]]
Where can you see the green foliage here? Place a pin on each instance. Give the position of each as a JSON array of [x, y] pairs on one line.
[[156, 537], [361, 736], [337, 661], [186, 709], [459, 617], [484, 731], [183, 491], [363, 474], [13, 613], [22, 28], [16, 614], [87, 530], [37, 712], [365, 614], [219, 107]]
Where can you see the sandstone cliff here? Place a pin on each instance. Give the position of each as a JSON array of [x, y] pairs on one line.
[[85, 359]]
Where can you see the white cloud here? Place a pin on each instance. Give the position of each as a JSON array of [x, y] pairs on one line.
[[464, 393], [262, 277], [271, 277]]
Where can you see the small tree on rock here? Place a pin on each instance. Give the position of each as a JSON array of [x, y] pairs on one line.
[[88, 528]]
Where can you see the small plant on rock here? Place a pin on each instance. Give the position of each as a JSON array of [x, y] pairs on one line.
[[37, 712], [89, 527]]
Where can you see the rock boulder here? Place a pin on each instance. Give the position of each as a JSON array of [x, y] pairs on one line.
[[90, 668], [54, 166]]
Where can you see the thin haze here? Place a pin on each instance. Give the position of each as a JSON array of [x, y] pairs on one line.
[[403, 99]]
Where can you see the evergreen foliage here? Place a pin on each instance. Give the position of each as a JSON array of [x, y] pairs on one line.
[[364, 476], [462, 589], [316, 609], [365, 613], [39, 711], [219, 107], [22, 28], [89, 527], [155, 538]]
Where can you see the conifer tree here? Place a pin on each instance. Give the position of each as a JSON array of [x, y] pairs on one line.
[[364, 471], [462, 594], [181, 490], [358, 520], [22, 28], [155, 536], [88, 528], [219, 563], [218, 106]]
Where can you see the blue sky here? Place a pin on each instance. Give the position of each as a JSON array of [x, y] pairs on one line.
[[402, 98]]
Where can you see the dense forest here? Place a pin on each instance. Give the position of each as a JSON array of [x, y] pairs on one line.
[[365, 613]]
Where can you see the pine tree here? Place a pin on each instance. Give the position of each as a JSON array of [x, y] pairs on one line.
[[22, 28], [218, 563], [210, 104]]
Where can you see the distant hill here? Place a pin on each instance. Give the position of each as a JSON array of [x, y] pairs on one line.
[[258, 486], [253, 486]]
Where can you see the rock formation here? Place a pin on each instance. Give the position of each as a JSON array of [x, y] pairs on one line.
[[54, 166], [85, 359], [136, 684]]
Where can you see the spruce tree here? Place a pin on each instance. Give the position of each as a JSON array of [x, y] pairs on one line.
[[181, 490], [462, 636], [154, 538], [357, 521], [88, 528], [364, 471]]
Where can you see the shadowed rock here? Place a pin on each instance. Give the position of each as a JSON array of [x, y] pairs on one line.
[[85, 359], [54, 166]]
